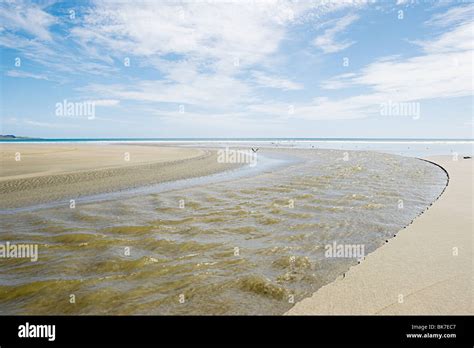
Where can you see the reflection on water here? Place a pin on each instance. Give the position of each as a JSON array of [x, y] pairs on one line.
[[246, 246]]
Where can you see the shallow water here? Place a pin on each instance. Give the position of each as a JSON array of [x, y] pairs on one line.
[[249, 245]]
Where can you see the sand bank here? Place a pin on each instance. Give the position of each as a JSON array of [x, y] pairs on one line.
[[51, 172], [426, 269]]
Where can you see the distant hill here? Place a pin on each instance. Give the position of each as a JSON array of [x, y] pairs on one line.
[[11, 136]]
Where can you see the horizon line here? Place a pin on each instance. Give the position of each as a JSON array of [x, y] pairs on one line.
[[27, 138]]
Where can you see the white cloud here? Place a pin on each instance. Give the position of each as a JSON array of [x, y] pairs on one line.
[[221, 31], [106, 102], [455, 15], [328, 42], [54, 56], [25, 74], [202, 90], [459, 39], [444, 70], [320, 108], [201, 48], [193, 45], [27, 17], [264, 80]]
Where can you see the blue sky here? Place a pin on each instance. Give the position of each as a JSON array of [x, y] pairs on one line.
[[238, 69]]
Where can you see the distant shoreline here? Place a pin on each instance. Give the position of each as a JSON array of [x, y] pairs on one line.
[[8, 137], [4, 138], [402, 147]]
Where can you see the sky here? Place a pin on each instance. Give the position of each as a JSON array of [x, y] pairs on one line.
[[167, 69]]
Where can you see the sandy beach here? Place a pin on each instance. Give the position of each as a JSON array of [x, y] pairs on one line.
[[278, 215], [426, 269], [50, 172]]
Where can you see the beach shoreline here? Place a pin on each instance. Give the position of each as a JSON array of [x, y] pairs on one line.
[[425, 269]]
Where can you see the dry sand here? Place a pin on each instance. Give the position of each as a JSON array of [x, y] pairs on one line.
[[426, 269], [51, 172]]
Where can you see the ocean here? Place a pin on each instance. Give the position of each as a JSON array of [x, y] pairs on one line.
[[399, 146]]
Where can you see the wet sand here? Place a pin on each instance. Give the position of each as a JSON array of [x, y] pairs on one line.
[[426, 269], [39, 173]]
